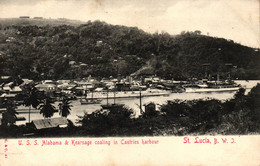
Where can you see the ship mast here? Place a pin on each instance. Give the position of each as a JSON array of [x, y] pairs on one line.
[[107, 96], [114, 95], [141, 111]]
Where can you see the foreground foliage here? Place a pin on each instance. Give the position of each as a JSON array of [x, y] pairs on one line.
[[65, 107], [239, 115], [47, 109], [9, 116]]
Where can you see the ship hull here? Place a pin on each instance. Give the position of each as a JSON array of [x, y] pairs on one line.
[[83, 102], [112, 106], [130, 94], [208, 90]]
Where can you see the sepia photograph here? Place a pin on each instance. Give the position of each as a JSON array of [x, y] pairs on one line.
[[155, 75]]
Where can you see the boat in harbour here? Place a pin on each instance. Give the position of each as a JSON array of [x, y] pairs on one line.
[[112, 106], [91, 100], [216, 86], [130, 94]]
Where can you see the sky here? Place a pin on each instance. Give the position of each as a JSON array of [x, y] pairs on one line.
[[237, 20]]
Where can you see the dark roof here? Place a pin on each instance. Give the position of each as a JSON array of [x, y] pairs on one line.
[[49, 123], [24, 17]]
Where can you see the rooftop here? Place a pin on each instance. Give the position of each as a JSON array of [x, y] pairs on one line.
[[50, 123]]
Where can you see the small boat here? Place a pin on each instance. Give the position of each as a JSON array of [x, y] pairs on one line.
[[20, 118], [93, 101], [109, 106]]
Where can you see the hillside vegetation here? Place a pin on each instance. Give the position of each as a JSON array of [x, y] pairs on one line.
[[48, 49]]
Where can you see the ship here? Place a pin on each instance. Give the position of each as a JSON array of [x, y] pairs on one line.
[[110, 106], [217, 86], [91, 100], [129, 94]]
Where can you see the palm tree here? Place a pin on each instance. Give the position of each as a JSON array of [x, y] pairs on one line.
[[31, 98], [9, 116], [64, 107], [47, 108]]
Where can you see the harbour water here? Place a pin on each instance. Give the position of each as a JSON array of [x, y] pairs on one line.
[[133, 103]]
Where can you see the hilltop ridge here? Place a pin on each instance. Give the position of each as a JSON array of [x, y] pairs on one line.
[[39, 21], [59, 49]]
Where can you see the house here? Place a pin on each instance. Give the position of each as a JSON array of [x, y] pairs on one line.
[[4, 97], [83, 65], [122, 86], [99, 43], [15, 90], [72, 63], [47, 82], [148, 80], [10, 39], [156, 80], [24, 17], [8, 96], [6, 89], [99, 89], [26, 82], [46, 87], [49, 123], [150, 107], [37, 17], [86, 84], [63, 81], [5, 79], [10, 88], [66, 88]]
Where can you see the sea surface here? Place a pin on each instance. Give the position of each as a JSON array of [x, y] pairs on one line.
[[78, 110]]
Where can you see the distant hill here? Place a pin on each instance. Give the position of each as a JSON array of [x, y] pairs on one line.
[[39, 21], [59, 49]]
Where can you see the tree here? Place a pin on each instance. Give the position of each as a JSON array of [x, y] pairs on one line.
[[47, 108], [175, 109], [64, 107], [106, 122], [31, 98], [9, 116]]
